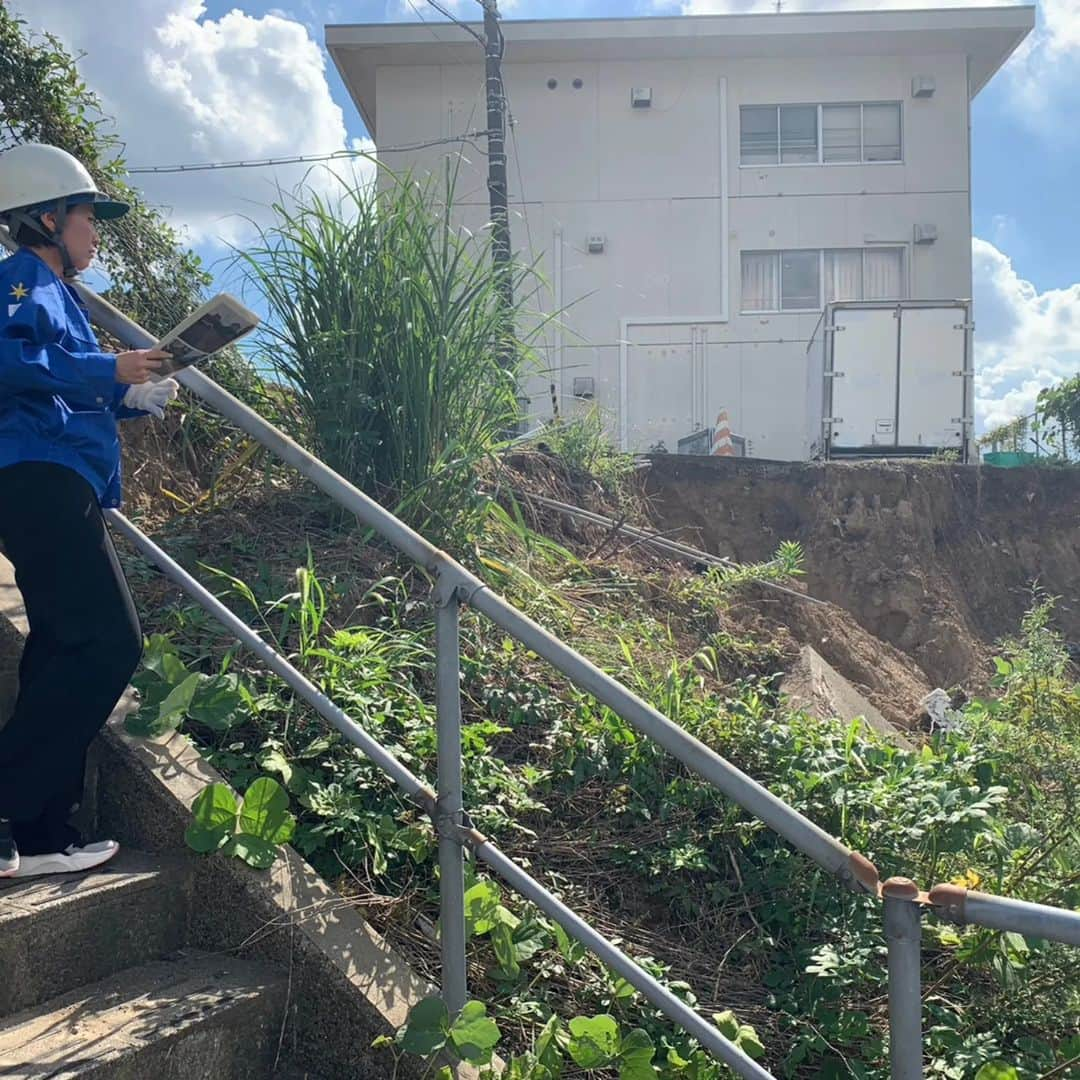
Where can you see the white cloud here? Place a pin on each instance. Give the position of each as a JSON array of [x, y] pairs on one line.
[[185, 88], [1024, 339], [1043, 74]]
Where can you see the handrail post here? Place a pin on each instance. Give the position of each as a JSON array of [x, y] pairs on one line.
[[903, 933], [450, 801]]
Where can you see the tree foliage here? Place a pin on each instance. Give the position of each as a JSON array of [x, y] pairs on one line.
[[1061, 403], [154, 279]]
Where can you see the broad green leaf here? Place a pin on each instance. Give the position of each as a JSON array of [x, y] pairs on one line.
[[569, 949], [161, 657], [594, 1040], [427, 1028], [727, 1023], [174, 708], [265, 811], [997, 1070], [415, 840], [147, 681], [216, 703], [502, 941], [749, 1043], [254, 850], [529, 939], [214, 812], [676, 1060], [142, 723], [320, 745], [481, 904], [547, 1049], [505, 917], [474, 1033], [295, 777], [636, 1055]]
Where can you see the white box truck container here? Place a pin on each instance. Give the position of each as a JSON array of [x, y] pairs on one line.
[[890, 379]]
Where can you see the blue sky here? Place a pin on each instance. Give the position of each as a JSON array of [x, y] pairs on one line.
[[197, 80]]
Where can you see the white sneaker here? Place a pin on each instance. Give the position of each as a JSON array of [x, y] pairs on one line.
[[70, 861]]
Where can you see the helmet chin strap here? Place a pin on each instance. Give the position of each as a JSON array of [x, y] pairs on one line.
[[51, 236]]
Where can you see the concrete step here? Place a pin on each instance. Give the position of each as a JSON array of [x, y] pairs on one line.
[[195, 1016], [63, 931]]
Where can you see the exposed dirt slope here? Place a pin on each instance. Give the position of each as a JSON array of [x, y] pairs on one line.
[[937, 560]]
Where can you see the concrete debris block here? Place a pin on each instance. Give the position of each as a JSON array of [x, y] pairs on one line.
[[814, 685], [939, 708]]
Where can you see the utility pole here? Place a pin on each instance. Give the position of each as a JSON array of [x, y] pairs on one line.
[[496, 140]]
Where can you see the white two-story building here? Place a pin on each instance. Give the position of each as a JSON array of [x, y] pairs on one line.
[[696, 189]]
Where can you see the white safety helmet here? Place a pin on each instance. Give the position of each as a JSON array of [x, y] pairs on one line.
[[36, 179]]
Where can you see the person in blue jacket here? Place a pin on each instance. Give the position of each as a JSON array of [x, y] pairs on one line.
[[61, 396]]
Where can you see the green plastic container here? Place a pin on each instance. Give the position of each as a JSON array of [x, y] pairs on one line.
[[1009, 459]]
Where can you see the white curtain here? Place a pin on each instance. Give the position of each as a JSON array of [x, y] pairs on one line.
[[843, 275], [883, 274], [760, 281]]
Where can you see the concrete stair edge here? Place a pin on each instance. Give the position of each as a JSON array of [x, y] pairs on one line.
[[60, 932], [194, 1016]]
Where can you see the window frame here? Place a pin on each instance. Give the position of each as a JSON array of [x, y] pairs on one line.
[[779, 254], [821, 163]]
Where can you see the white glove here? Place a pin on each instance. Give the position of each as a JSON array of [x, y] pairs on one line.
[[152, 397]]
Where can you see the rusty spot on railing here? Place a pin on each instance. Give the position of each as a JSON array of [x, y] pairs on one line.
[[865, 873], [900, 888], [949, 900]]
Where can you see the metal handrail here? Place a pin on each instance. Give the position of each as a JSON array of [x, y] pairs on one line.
[[903, 903], [446, 811], [454, 585]]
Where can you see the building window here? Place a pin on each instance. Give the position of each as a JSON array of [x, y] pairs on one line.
[[843, 275], [881, 132], [774, 281], [820, 134], [798, 134], [760, 135], [841, 133], [800, 280], [760, 281]]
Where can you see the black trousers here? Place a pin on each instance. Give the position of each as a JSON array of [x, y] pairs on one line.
[[84, 645]]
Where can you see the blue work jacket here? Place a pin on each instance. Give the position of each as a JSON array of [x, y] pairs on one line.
[[59, 398]]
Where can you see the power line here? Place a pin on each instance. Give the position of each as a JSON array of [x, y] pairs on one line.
[[450, 16], [300, 159], [458, 22]]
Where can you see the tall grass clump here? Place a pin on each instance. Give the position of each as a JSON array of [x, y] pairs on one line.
[[386, 325]]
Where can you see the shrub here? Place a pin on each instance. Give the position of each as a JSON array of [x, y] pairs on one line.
[[387, 324]]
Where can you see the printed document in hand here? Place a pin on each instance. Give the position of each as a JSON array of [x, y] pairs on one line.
[[217, 323]]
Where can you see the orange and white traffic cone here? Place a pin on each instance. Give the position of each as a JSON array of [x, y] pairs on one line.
[[722, 445]]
